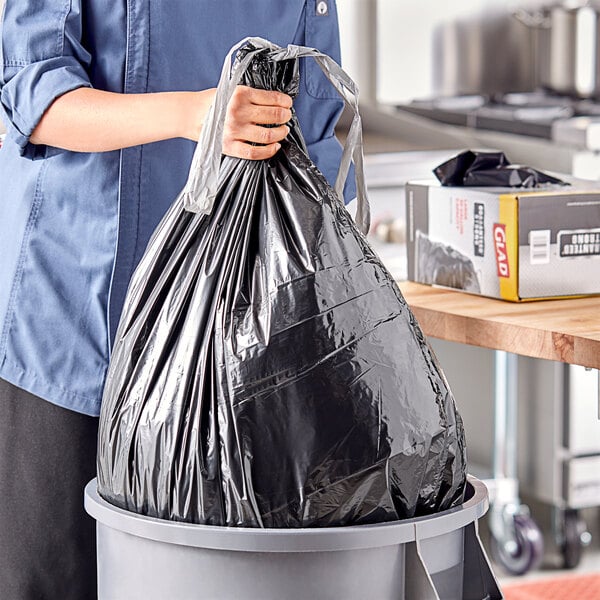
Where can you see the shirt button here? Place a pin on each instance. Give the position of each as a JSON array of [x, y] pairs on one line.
[[322, 8]]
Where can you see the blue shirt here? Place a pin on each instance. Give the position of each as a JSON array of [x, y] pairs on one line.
[[73, 226]]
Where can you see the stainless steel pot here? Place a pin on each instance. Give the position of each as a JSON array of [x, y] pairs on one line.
[[567, 42]]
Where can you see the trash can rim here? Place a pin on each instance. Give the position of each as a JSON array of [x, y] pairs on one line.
[[324, 539]]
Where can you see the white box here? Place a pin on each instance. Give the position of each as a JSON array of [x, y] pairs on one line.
[[511, 243]]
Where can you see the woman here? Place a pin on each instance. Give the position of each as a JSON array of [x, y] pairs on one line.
[[103, 100]]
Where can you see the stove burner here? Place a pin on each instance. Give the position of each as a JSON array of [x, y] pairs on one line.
[[531, 114], [532, 99], [587, 108]]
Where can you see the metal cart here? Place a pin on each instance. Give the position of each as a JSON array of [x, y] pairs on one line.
[[558, 461], [564, 462]]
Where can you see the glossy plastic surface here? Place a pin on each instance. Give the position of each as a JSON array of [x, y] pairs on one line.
[[484, 169], [267, 371]]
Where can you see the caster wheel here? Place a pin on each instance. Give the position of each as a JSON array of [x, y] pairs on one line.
[[525, 552], [574, 532]]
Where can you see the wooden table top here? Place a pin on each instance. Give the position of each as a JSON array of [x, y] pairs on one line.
[[563, 330]]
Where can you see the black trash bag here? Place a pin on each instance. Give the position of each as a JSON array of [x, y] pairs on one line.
[[489, 169], [267, 371], [441, 264]]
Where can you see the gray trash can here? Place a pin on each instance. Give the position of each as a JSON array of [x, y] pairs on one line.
[[428, 558]]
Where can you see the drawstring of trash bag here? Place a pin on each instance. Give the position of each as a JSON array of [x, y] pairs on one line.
[[201, 188]]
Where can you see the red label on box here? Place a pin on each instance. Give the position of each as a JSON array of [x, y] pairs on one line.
[[501, 251]]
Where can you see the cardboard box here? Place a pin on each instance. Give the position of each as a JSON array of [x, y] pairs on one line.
[[510, 243]]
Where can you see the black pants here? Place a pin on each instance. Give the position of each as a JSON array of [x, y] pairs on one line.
[[47, 541]]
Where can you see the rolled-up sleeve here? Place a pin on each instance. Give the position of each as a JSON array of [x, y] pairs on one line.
[[42, 59]]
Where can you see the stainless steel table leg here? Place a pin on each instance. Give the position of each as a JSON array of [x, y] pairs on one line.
[[505, 416], [516, 539]]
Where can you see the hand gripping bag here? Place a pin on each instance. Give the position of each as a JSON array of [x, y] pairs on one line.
[[267, 371]]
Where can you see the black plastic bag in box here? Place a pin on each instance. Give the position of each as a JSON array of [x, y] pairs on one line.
[[441, 264], [267, 371], [490, 169]]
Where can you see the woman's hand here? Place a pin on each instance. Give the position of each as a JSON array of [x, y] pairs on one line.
[[249, 109]]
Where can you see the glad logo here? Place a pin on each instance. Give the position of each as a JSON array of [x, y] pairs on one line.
[[501, 252]]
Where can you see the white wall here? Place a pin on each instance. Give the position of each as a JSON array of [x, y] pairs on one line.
[[406, 54], [358, 24], [405, 31]]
